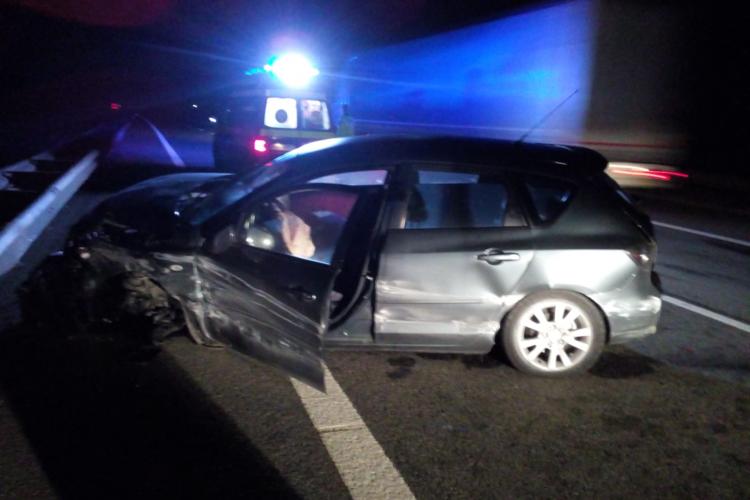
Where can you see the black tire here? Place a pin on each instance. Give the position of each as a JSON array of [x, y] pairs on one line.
[[548, 339]]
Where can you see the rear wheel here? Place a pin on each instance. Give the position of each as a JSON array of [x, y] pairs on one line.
[[554, 334]]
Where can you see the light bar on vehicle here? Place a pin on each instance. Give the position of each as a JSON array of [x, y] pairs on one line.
[[293, 70]]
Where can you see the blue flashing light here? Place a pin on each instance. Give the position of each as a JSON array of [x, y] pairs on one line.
[[293, 70]]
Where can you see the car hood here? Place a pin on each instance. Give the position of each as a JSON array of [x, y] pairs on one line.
[[149, 214]]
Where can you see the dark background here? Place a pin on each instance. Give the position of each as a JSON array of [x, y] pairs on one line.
[[62, 63]]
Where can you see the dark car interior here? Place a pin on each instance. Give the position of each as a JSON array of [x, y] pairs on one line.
[[340, 219], [329, 210], [358, 250], [326, 211]]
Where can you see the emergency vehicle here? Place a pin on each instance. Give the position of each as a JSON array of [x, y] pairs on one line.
[[274, 113]]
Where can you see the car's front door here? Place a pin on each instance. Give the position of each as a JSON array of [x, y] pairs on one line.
[[266, 280], [450, 260]]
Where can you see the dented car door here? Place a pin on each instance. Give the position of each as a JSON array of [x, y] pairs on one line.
[[450, 261]]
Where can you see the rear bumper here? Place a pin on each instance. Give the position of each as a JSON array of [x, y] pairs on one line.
[[622, 337], [632, 311]]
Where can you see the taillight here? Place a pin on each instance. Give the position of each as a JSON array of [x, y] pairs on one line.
[[260, 145], [649, 171]]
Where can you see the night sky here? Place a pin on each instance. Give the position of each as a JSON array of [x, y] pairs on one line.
[[169, 41], [63, 62]]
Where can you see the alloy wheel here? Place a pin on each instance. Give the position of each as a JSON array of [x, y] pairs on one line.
[[554, 335]]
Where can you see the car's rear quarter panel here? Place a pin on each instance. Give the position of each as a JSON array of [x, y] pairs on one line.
[[585, 251]]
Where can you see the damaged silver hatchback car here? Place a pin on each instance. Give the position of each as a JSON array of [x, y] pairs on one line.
[[390, 243]]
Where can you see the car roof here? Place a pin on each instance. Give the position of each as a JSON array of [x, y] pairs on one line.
[[330, 154]]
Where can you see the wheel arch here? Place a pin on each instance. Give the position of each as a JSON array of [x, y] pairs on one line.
[[507, 311]]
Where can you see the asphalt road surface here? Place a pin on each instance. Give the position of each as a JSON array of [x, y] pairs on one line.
[[94, 415]]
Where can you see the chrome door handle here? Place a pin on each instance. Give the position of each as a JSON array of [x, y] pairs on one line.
[[494, 256]]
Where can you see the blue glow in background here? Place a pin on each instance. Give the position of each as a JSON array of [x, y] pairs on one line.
[[495, 79]]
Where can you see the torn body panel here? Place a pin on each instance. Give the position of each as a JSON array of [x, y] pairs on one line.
[[140, 242], [244, 316], [218, 307]]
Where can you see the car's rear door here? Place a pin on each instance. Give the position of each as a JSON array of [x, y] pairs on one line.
[[448, 263]]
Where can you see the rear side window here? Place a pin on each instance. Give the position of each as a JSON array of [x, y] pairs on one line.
[[451, 200], [314, 115], [290, 113], [281, 112], [358, 178], [549, 197]]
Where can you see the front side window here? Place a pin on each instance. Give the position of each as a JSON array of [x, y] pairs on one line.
[[306, 223], [460, 199], [281, 112]]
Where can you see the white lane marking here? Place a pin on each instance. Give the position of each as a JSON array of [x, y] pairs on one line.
[[361, 462], [707, 313], [702, 233], [166, 145]]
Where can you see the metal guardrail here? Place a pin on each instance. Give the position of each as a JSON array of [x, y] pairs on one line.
[[32, 195]]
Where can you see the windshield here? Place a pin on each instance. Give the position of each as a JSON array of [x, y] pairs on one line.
[[225, 194]]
